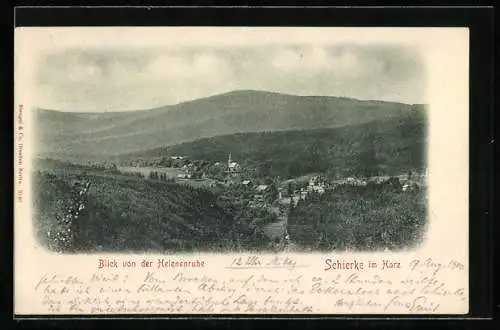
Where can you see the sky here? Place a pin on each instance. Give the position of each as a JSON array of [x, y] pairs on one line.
[[120, 77]]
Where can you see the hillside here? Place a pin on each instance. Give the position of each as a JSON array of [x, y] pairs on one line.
[[68, 134], [389, 146], [360, 218], [137, 215]]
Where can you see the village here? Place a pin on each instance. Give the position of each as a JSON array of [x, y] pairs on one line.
[[269, 199], [263, 203], [261, 192]]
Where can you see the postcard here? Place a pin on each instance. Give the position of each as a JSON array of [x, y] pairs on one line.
[[241, 170]]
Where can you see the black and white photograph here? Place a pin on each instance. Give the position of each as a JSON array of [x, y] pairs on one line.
[[241, 170], [270, 147]]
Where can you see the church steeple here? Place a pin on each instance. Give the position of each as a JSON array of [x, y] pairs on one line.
[[229, 161]]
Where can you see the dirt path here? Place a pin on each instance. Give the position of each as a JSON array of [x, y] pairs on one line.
[[276, 229]]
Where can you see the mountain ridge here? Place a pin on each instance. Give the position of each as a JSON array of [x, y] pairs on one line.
[[229, 93], [239, 111]]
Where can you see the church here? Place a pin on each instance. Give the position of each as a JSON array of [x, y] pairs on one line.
[[232, 167], [233, 171]]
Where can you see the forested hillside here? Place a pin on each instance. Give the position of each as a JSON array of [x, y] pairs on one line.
[[140, 215], [387, 146]]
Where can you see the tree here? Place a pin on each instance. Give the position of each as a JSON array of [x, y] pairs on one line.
[[290, 189], [166, 161], [271, 193]]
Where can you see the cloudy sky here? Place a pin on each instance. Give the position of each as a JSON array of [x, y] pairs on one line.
[[125, 77]]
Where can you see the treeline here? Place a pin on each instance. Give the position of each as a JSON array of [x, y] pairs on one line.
[[135, 174], [359, 218], [49, 163], [154, 175]]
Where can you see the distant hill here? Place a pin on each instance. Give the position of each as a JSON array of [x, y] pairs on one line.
[[386, 146], [67, 135]]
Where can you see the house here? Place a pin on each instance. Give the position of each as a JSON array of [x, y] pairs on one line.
[[354, 182], [262, 187], [246, 182], [234, 166], [258, 201], [318, 189], [315, 180], [411, 185], [378, 179], [316, 185], [280, 193], [286, 200], [303, 194]]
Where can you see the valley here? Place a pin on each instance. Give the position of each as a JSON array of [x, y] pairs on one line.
[[241, 171]]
